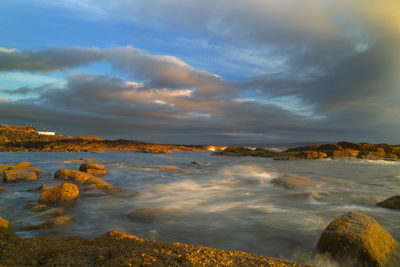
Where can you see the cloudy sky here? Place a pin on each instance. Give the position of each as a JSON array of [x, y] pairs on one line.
[[191, 71]]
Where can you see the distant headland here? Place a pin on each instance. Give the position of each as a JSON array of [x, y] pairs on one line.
[[27, 139]]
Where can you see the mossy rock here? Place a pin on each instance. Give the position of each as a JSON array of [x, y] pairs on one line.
[[358, 239]]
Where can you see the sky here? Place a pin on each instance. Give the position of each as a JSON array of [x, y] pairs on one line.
[[203, 72]]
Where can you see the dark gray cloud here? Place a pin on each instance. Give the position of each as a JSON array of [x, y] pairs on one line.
[[340, 75]]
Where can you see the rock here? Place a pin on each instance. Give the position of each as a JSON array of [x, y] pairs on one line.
[[88, 160], [38, 207], [70, 175], [120, 249], [391, 203], [197, 163], [54, 212], [169, 168], [6, 231], [358, 239], [23, 164], [61, 194], [290, 181], [2, 189], [19, 174], [95, 169], [84, 179], [147, 215], [41, 188], [51, 223]]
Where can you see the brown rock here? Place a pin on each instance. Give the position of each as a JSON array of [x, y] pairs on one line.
[[153, 214], [391, 203], [119, 249], [41, 188], [95, 169], [23, 164], [70, 175], [6, 232], [313, 154], [39, 207], [51, 223], [54, 212], [15, 174], [358, 239], [292, 181], [168, 168], [84, 179], [61, 194], [2, 189]]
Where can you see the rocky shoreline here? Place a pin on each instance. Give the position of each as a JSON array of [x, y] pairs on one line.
[[118, 249], [26, 139], [339, 150]]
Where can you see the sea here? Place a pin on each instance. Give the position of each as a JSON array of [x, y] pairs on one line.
[[222, 202]]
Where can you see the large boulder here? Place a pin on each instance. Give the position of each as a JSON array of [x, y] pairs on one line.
[[358, 239], [95, 169], [391, 203], [61, 194], [290, 181]]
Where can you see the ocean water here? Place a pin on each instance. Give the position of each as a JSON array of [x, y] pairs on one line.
[[227, 203]]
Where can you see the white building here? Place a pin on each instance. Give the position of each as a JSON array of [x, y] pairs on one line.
[[46, 133]]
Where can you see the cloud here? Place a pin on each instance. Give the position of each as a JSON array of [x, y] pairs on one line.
[[337, 69]]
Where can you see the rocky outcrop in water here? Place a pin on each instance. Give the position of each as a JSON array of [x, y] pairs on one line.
[[83, 178], [358, 239], [290, 181], [19, 172], [61, 220], [94, 169], [60, 194], [169, 168], [341, 149], [391, 203], [118, 249], [20, 140]]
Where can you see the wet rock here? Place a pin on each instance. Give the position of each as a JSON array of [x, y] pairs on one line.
[[358, 239], [6, 232], [153, 214], [197, 163], [89, 160], [51, 223], [61, 194], [85, 179], [95, 169], [15, 174], [119, 249], [391, 203], [154, 150], [71, 175], [54, 213], [168, 168], [23, 164], [292, 181], [41, 188], [2, 189], [35, 207]]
